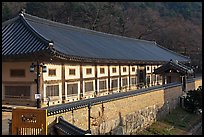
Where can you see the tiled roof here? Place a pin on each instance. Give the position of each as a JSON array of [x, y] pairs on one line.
[[28, 34], [174, 65]]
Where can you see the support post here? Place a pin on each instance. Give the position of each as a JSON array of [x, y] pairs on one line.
[[38, 85], [89, 122]]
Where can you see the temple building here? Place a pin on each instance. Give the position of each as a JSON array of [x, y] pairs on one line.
[[74, 63]]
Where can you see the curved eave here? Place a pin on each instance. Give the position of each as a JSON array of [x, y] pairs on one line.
[[43, 55], [68, 58]]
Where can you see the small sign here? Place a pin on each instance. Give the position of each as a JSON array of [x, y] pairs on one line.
[[37, 96]]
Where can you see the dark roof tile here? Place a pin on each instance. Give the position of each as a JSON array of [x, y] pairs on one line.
[[31, 34]]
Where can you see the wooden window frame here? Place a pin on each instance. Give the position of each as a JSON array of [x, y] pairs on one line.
[[124, 69], [126, 80], [114, 70], [102, 89], [55, 71], [134, 69], [86, 88], [88, 71], [72, 92], [15, 73], [53, 96], [112, 84], [102, 70], [72, 73], [17, 91]]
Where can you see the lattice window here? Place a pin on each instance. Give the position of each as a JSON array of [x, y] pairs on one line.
[[133, 81], [114, 70], [124, 82], [52, 90], [124, 69], [114, 83], [17, 72], [88, 71], [102, 85], [72, 88], [17, 91], [89, 86]]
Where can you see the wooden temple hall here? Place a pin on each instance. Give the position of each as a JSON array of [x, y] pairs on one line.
[[57, 63]]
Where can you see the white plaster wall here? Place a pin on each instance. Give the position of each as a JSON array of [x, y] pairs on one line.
[[127, 70], [89, 75], [133, 72], [148, 71], [77, 72], [58, 72], [98, 71], [117, 71]]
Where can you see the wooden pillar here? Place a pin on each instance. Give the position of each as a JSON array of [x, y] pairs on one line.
[[96, 77], [163, 79], [120, 77], [129, 76], [108, 78], [63, 83], [81, 82], [151, 75]]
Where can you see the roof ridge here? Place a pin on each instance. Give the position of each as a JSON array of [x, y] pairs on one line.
[[54, 23]]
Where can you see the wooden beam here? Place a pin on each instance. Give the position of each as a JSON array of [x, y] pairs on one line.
[[63, 83], [96, 75], [81, 82], [108, 78], [120, 77], [129, 76]]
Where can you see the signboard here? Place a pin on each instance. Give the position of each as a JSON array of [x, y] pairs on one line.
[[37, 96]]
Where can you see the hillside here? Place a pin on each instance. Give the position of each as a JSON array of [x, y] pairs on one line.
[[175, 25]]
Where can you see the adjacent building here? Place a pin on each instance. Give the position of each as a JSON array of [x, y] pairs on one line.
[[81, 63]]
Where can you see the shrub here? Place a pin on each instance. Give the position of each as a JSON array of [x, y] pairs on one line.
[[193, 100]]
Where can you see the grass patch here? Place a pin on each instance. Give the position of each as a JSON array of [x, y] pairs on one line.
[[178, 122]]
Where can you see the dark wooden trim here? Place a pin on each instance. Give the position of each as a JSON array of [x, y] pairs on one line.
[[81, 81], [133, 75], [63, 82], [120, 77], [96, 74], [103, 77], [92, 78], [129, 75], [19, 82], [151, 82], [41, 86], [52, 81], [72, 80], [108, 77]]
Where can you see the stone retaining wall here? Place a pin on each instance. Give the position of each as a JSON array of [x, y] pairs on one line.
[[128, 115]]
